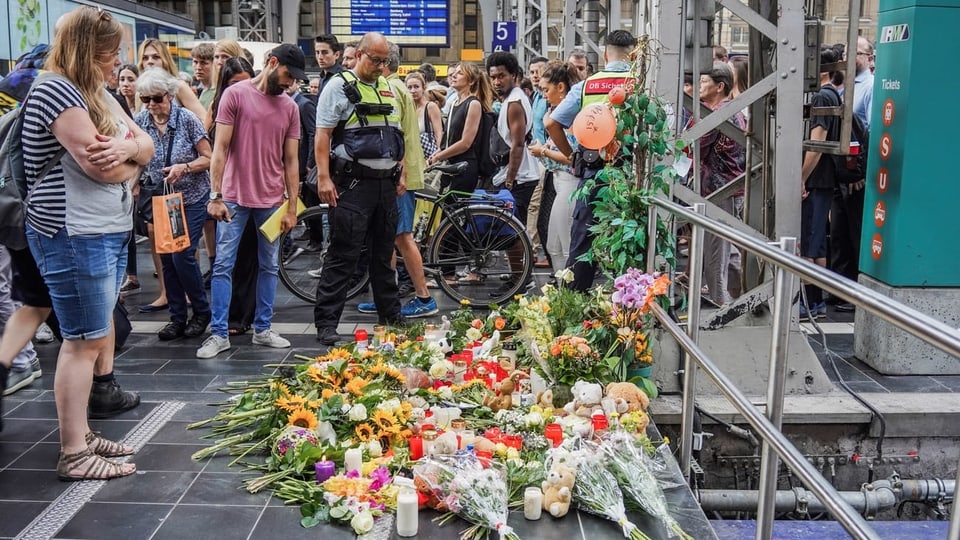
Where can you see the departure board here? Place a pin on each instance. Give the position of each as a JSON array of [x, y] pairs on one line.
[[411, 23]]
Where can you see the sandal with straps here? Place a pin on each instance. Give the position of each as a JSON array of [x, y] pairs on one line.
[[92, 467], [105, 447]]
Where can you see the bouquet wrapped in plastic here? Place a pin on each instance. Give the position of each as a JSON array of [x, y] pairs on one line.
[[476, 492], [631, 468], [596, 491]]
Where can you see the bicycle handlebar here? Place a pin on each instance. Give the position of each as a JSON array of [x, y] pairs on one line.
[[451, 169]]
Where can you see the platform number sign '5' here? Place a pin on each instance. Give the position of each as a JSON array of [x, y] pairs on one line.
[[504, 35]]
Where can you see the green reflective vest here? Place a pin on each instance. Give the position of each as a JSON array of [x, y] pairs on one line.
[[597, 86], [372, 135]]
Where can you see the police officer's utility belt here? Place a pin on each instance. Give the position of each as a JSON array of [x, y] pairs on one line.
[[588, 162], [344, 168]]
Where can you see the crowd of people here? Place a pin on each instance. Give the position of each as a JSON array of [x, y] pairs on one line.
[[236, 145]]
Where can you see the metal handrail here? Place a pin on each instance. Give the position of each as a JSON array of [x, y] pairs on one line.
[[815, 482], [775, 443], [919, 324]]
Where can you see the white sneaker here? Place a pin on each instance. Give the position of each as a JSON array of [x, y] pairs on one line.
[[315, 274], [213, 346], [44, 334], [269, 338]]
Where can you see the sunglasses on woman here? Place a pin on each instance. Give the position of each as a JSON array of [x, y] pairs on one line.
[[156, 99]]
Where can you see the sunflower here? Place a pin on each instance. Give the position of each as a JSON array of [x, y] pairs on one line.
[[303, 418], [356, 385], [291, 403], [327, 393], [364, 431], [384, 420], [334, 354], [315, 373]]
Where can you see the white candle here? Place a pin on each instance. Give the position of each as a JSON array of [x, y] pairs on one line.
[[532, 503], [407, 509], [467, 436], [353, 459]]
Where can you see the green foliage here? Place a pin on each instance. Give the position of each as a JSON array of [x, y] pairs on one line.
[[624, 187]]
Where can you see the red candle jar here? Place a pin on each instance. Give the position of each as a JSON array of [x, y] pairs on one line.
[[600, 422], [513, 441], [555, 433], [494, 434], [416, 447], [485, 458]]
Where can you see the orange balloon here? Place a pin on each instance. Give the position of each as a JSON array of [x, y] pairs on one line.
[[594, 127]]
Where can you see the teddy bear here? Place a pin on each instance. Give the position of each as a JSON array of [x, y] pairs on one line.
[[586, 399], [505, 389], [445, 445], [426, 495], [545, 398], [628, 396], [558, 490]]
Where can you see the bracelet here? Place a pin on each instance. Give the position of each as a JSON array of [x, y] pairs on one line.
[[187, 164]]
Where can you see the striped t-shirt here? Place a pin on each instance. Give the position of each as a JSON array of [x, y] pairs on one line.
[[66, 197]]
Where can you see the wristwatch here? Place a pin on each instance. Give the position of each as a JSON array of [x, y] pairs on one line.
[[215, 195]]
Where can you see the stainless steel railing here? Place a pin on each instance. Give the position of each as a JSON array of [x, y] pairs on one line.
[[775, 445]]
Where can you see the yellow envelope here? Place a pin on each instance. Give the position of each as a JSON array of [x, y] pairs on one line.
[[271, 227]]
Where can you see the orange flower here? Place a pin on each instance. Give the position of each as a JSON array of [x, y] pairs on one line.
[[355, 386], [476, 323], [327, 393], [303, 418], [555, 349], [499, 323]]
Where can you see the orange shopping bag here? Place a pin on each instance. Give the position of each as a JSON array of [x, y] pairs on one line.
[[169, 222]]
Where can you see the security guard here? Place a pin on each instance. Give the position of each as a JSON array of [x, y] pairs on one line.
[[617, 56], [359, 147]]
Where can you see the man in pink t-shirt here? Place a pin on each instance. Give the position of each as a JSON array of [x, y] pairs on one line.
[[255, 166]]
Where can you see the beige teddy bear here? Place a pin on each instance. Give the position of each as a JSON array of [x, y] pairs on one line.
[[558, 490], [586, 399], [629, 395]]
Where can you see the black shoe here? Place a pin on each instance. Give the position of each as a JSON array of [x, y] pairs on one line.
[[328, 335], [206, 278], [108, 399], [197, 325], [171, 331], [845, 307]]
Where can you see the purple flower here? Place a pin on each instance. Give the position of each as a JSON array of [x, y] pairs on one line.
[[353, 474], [381, 477]]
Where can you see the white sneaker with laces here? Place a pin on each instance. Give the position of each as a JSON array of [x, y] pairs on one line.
[[44, 334], [213, 346], [269, 338]]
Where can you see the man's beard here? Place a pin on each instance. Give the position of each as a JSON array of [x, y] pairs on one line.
[[273, 84]]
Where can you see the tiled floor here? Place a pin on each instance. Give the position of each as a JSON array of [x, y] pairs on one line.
[[172, 496]]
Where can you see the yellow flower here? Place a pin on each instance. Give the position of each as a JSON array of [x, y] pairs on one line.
[[327, 393], [335, 354], [290, 404], [384, 420], [364, 431], [315, 373], [356, 385], [303, 418], [464, 302]]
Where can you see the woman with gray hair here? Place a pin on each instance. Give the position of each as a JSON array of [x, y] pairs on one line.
[[182, 160]]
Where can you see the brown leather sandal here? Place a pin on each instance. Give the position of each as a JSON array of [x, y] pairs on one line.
[[92, 467], [105, 447]]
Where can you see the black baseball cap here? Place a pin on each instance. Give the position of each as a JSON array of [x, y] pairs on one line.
[[292, 57]]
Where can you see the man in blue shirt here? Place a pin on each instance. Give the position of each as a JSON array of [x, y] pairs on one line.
[[617, 53], [538, 215]]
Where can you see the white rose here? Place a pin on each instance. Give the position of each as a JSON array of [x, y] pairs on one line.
[[445, 392], [358, 413], [362, 523], [438, 370], [473, 334], [390, 405]]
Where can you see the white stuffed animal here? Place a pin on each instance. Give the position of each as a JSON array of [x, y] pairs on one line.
[[587, 399]]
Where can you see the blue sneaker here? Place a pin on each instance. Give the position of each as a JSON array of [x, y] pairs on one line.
[[817, 311], [367, 307], [417, 308]]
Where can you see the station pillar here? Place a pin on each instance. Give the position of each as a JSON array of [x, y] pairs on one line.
[[910, 245]]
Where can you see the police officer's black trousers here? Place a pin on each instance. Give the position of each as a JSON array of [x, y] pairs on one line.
[[367, 213], [581, 241]]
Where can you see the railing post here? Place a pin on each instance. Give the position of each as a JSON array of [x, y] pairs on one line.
[[955, 512], [769, 462], [694, 273]]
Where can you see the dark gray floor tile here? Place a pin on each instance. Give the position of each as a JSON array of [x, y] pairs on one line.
[[96, 521], [195, 412], [163, 351], [146, 487], [177, 433], [190, 366], [545, 527], [950, 381], [208, 523], [136, 363], [849, 373], [41, 457], [9, 451], [114, 429], [138, 383], [867, 386], [284, 522], [40, 410], [168, 457], [223, 489], [260, 354], [221, 464], [22, 485], [26, 430], [17, 515], [185, 396], [909, 383]]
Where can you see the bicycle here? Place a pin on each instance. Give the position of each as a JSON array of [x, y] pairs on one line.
[[477, 235]]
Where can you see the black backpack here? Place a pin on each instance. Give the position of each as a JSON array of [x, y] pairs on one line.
[[492, 151], [852, 168]]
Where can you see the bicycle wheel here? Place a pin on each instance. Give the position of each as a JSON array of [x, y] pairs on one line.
[[491, 246], [302, 252]]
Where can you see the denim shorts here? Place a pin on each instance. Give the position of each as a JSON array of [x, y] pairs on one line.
[[406, 206], [83, 274]]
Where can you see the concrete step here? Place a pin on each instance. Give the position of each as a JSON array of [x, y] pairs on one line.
[[831, 530]]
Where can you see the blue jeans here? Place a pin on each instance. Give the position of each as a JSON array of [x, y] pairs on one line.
[[83, 274], [181, 272], [221, 283]]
